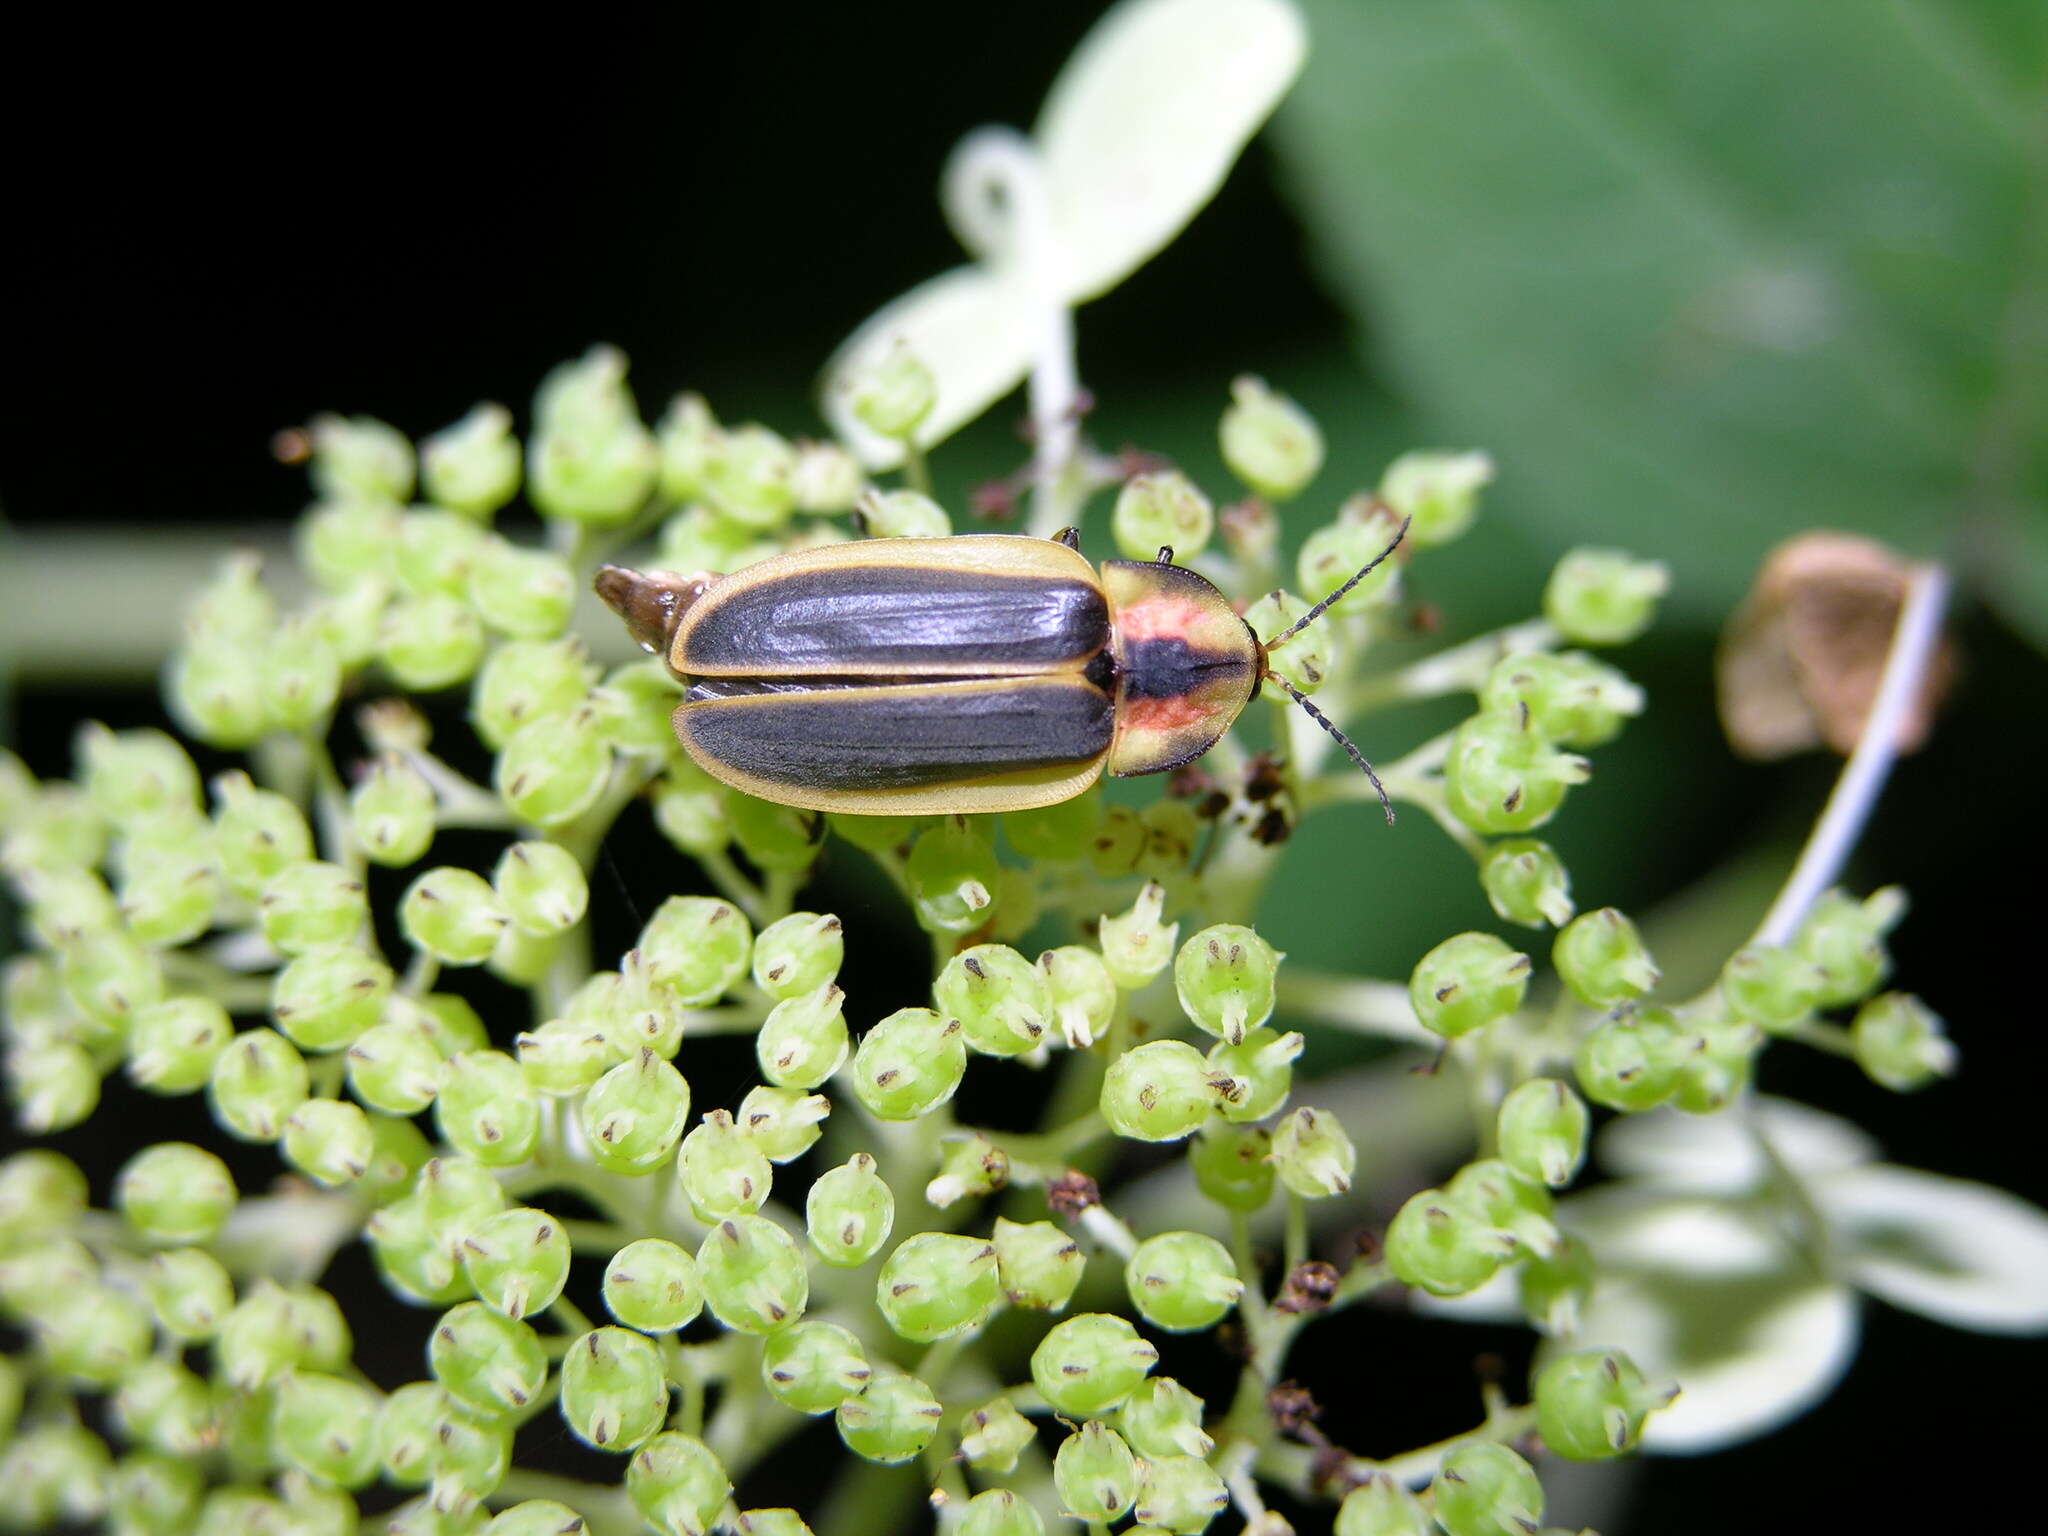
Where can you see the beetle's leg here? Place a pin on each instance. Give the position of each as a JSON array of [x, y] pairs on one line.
[[1071, 537], [651, 602], [1166, 554]]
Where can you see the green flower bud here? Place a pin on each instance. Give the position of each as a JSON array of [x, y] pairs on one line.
[[781, 1123], [391, 812], [614, 1394], [517, 1260], [1570, 699], [754, 1277], [1500, 777], [1269, 442], [350, 622], [892, 1421], [1527, 883], [1485, 1489], [1338, 551], [936, 1285], [64, 831], [1310, 657], [1037, 1264], [774, 837], [487, 1109], [529, 680], [110, 977], [92, 1334], [1179, 1493], [166, 902], [56, 1086], [1001, 999], [358, 458], [723, 1172], [1080, 993], [135, 776], [1090, 1363], [235, 605], [804, 1039], [827, 478], [1900, 1043], [396, 1068], [998, 1512], [1631, 1063], [432, 1438], [1055, 834], [677, 1484], [1435, 1244], [300, 671], [329, 1141], [1466, 983], [397, 1154], [325, 997], [589, 459], [901, 515], [1556, 1287], [428, 643], [1771, 986], [1601, 957], [749, 475], [952, 873], [55, 1473], [1118, 842], [687, 436], [993, 1436], [1164, 510], [308, 905], [1135, 945], [1520, 1210], [154, 1495], [798, 954], [1163, 1418], [327, 1427], [562, 1058], [42, 1193], [1159, 1091], [1312, 1155], [190, 1293], [472, 466], [849, 1213], [1603, 597], [172, 1045], [973, 1165], [1591, 1406], [1224, 976], [162, 1405], [490, 1363], [277, 1329], [653, 1285], [1260, 1069], [348, 542], [702, 538], [1437, 492], [553, 769], [1844, 938], [535, 1517], [1182, 1281], [1542, 1131], [814, 1367], [452, 914], [258, 1080], [258, 835], [1095, 1473], [893, 394], [412, 1253], [67, 904], [541, 887], [1382, 1507], [634, 1115], [1232, 1165], [1714, 1061], [697, 947], [44, 1274], [690, 815], [526, 593], [909, 1064], [633, 706], [407, 1430]]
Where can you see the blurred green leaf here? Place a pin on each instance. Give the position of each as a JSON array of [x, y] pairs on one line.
[[1705, 275]]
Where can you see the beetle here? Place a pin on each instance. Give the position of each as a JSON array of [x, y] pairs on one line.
[[985, 672]]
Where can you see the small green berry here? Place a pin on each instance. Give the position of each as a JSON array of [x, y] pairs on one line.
[[1517, 1210], [1435, 1244], [1631, 1063], [754, 1277], [526, 593], [528, 680], [172, 1044], [554, 769], [804, 1039], [653, 1285], [162, 1405], [1038, 1264], [1056, 834], [677, 1484], [1771, 986], [952, 873], [849, 1212], [1332, 554], [892, 1421], [535, 1517], [391, 812], [774, 837], [1437, 492], [901, 515], [1090, 1363], [358, 458], [258, 834], [998, 1512], [614, 1393], [1260, 1069], [1591, 1406], [1603, 959], [1541, 1131], [190, 1292], [429, 643], [396, 1068], [749, 475], [1844, 938], [1225, 977], [1182, 1281], [590, 459], [1485, 1489], [936, 1285], [1095, 1473], [1556, 1287], [1500, 776], [1466, 983], [1159, 1091]]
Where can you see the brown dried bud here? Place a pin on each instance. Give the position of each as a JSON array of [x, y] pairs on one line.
[[1308, 1288], [1072, 1193], [1801, 660], [1293, 1410]]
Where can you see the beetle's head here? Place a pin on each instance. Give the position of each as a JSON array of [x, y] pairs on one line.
[[651, 602]]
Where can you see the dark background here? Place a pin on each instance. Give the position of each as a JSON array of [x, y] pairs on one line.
[[218, 233]]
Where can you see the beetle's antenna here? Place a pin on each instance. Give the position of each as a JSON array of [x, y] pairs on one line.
[[1343, 741], [1317, 612]]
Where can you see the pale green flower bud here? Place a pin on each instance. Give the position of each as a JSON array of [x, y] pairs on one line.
[[1090, 1363], [1466, 983], [488, 1109], [307, 905], [814, 1367], [1591, 1406], [614, 1393], [1308, 659], [1269, 442], [749, 475], [428, 643], [1136, 946], [92, 1334], [653, 1285], [936, 1285], [754, 1277], [1899, 1041], [518, 1261], [1501, 777], [909, 1064], [396, 1067], [901, 515], [1435, 1244], [1182, 1281], [1631, 1063], [952, 872], [827, 478], [234, 606], [324, 998], [999, 997], [633, 1116], [1161, 511], [161, 1404], [590, 458], [391, 812], [553, 770], [697, 947], [490, 1363], [1180, 1494], [998, 1512], [1570, 699], [190, 1293], [804, 1039], [1225, 976], [472, 466], [1527, 883], [541, 887], [1603, 959], [893, 394], [172, 1045], [276, 1329], [850, 1212], [1095, 1473], [358, 458], [1163, 1418], [1556, 1288], [329, 1141], [535, 1517], [258, 1080], [781, 1122], [723, 1171], [1382, 1507], [527, 680], [677, 1484], [1058, 833], [1604, 597], [972, 1165], [1159, 1091], [1260, 1070], [1485, 1489], [1515, 1207], [994, 1435], [892, 1421], [1437, 492], [152, 1494], [774, 836], [1312, 1155], [633, 706], [258, 834], [798, 954], [326, 1426], [1038, 1264], [1770, 985], [1542, 1131], [686, 438]]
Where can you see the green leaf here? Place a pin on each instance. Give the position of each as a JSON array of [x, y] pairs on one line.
[[1703, 283]]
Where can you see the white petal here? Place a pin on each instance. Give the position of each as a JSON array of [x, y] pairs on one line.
[[1717, 1153], [1147, 118], [972, 327], [1747, 1358], [1634, 1226], [1960, 1252]]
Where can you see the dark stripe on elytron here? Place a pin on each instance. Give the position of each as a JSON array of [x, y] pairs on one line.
[[894, 617], [1168, 669], [938, 733]]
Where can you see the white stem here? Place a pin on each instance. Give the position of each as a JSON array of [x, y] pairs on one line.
[[1856, 791]]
